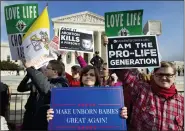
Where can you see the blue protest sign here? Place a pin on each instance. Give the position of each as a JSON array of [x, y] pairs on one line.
[[87, 108]]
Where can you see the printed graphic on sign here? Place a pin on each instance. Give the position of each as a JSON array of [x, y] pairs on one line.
[[54, 48], [123, 32], [132, 51], [37, 44], [123, 23], [36, 41], [18, 19], [21, 25], [87, 112], [76, 39]]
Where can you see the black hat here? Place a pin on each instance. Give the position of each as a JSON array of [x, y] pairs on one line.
[[96, 52]]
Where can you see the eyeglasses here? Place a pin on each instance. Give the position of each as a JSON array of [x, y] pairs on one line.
[[164, 74], [49, 68]]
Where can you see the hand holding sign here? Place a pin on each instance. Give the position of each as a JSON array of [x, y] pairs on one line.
[[124, 113], [105, 40], [50, 113], [25, 63], [77, 54]]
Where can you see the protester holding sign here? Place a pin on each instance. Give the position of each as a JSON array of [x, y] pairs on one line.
[[89, 78], [54, 72], [30, 106], [155, 105]]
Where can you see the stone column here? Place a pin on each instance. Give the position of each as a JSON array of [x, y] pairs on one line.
[[98, 42], [90, 56], [56, 31], [73, 58], [104, 51], [64, 60]]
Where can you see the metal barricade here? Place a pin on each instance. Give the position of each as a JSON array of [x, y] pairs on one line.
[[16, 107]]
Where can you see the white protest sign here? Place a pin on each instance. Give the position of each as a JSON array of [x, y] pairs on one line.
[[72, 39], [36, 44], [39, 62], [15, 42]]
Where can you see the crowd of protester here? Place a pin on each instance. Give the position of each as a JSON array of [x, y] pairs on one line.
[[151, 102]]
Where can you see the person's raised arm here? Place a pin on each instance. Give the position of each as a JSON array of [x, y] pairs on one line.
[[38, 79], [24, 86], [80, 59], [68, 76]]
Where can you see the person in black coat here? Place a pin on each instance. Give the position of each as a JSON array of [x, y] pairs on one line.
[[30, 106], [5, 99], [53, 78], [97, 61]]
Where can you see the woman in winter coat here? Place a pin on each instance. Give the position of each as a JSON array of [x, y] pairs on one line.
[[89, 78]]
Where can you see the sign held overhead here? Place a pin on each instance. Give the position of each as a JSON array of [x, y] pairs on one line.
[[132, 52]]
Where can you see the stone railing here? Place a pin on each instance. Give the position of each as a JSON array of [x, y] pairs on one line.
[[11, 73]]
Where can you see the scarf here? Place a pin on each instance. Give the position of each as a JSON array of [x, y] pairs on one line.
[[163, 92]]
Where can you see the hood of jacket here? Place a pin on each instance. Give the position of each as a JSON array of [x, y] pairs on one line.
[[60, 80]]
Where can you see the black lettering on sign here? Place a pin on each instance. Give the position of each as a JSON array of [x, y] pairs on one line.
[[20, 51], [16, 39], [12, 41]]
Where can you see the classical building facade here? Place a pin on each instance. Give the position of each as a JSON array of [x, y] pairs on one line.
[[83, 20], [6, 55]]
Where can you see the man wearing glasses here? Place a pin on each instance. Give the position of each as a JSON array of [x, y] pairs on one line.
[[52, 77], [155, 105]]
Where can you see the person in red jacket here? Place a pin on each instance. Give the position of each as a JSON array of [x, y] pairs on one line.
[[74, 79]]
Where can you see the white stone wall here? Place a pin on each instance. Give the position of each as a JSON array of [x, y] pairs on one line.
[[5, 51]]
